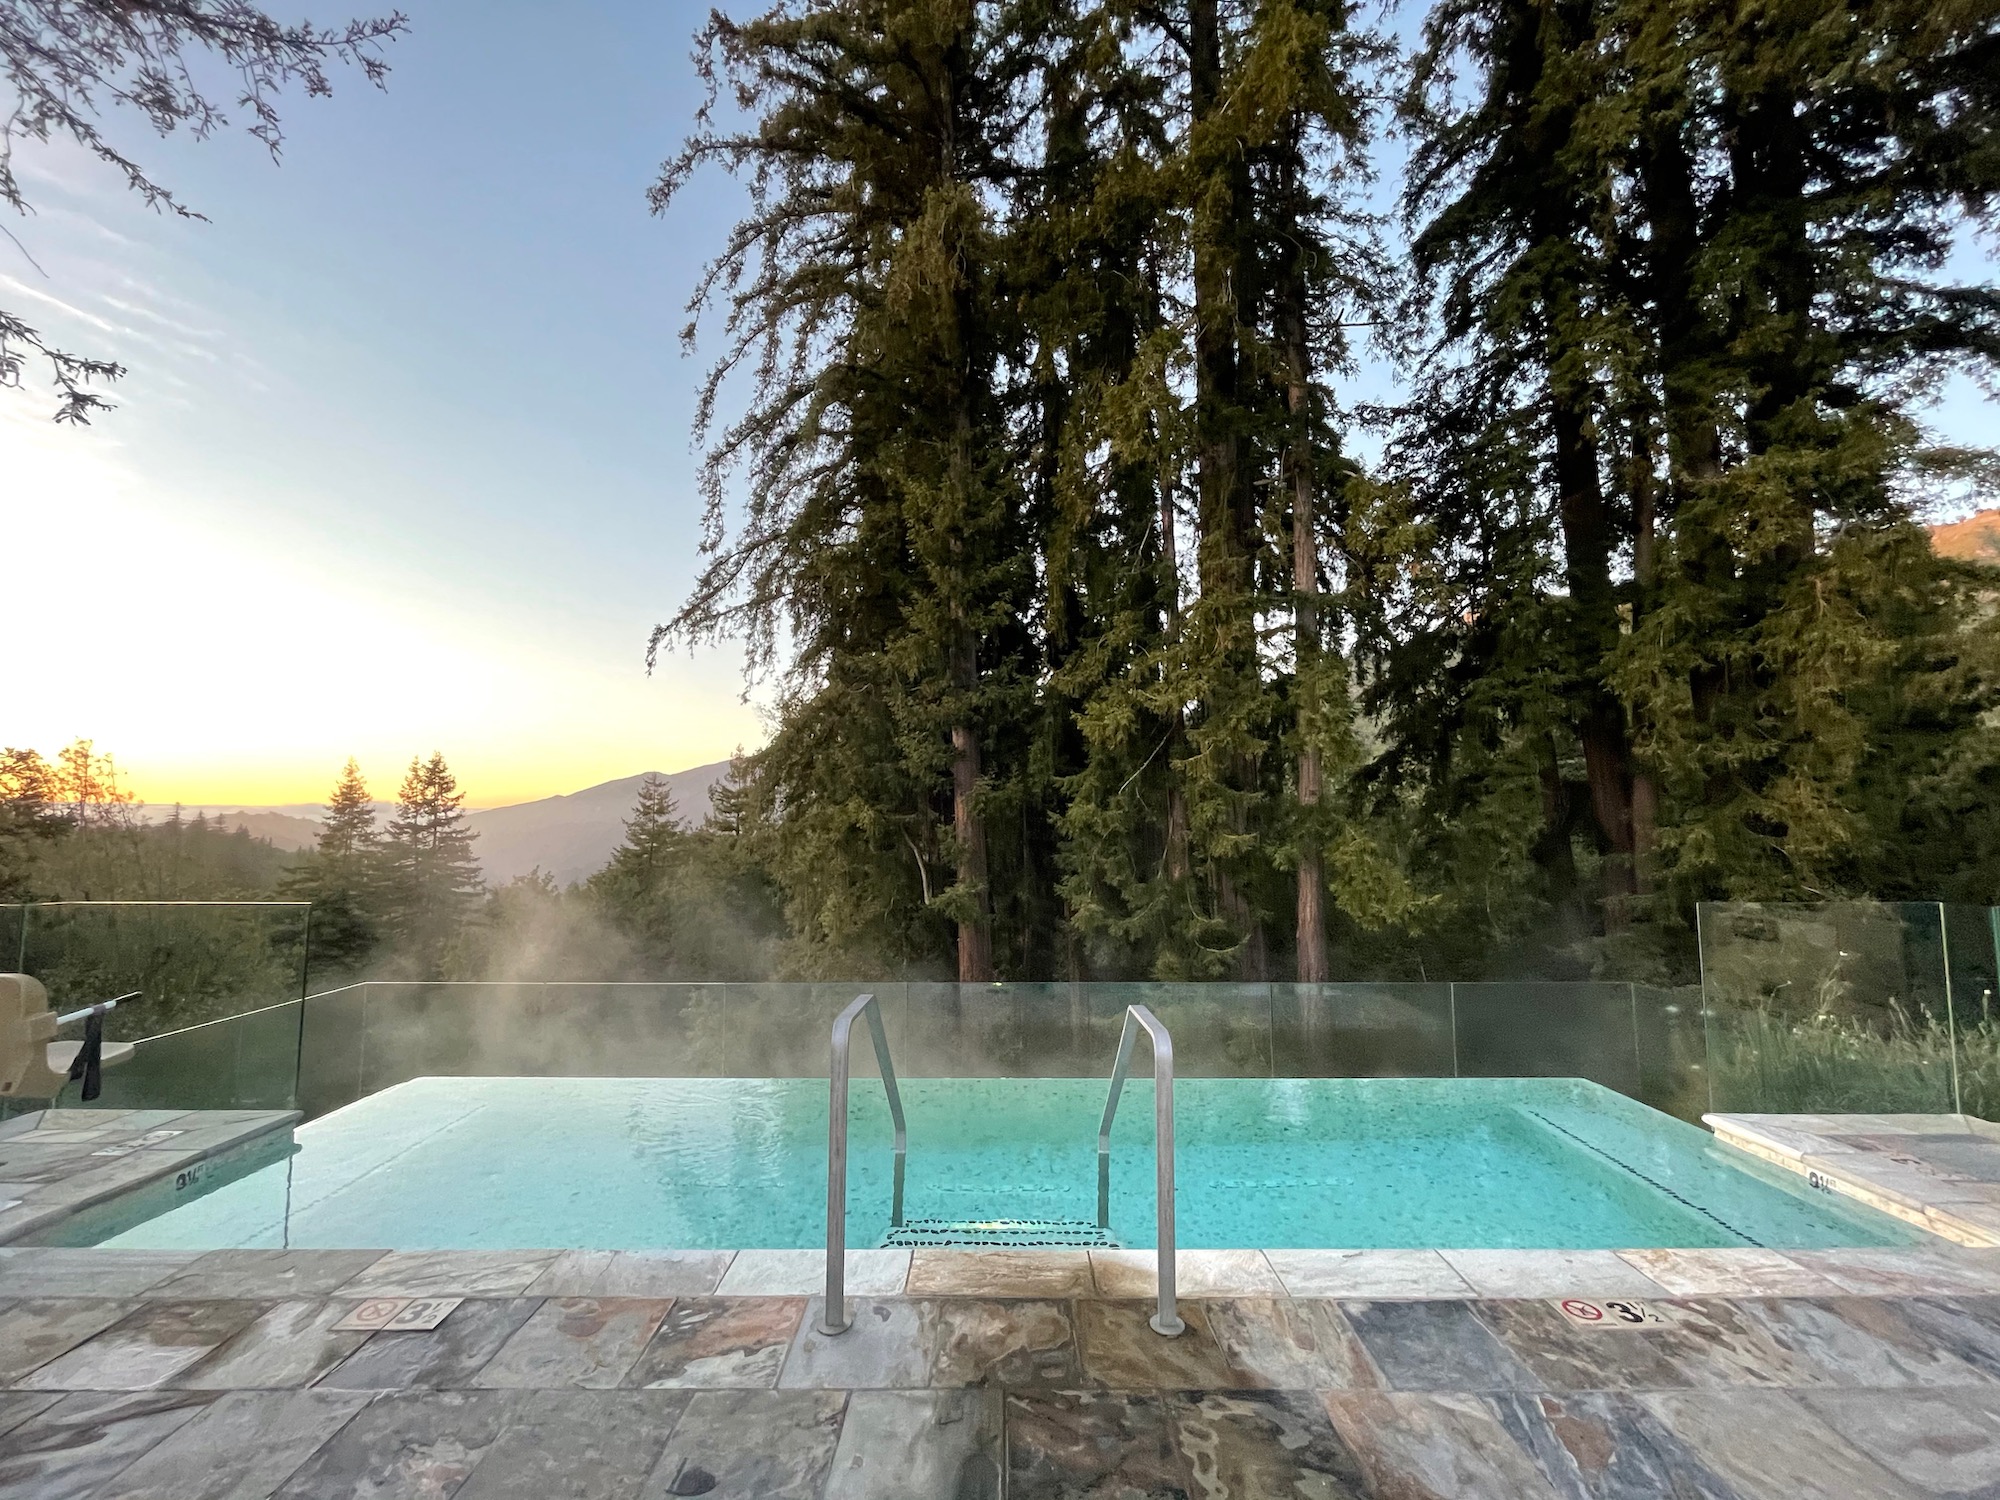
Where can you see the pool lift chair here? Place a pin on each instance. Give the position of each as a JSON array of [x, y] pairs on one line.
[[33, 1064], [833, 1319]]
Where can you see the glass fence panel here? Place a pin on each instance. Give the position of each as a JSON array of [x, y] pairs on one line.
[[241, 1062], [1220, 1030], [13, 927], [332, 1044], [1835, 1008], [1673, 1050], [1006, 1031], [1529, 1030], [1361, 1031], [191, 962], [1972, 964], [784, 1030]]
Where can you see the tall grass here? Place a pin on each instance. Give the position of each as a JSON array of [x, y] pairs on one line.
[[1764, 1062]]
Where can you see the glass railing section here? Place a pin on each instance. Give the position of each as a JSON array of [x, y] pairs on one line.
[[1835, 1007], [1848, 1007], [217, 993]]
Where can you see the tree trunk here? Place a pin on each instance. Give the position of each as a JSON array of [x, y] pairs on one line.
[[1177, 862], [1309, 939], [975, 933], [1226, 507]]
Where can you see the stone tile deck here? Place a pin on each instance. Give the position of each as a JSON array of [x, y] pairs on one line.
[[1939, 1172], [1857, 1373], [59, 1165]]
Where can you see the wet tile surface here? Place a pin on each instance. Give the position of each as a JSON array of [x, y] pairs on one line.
[[1255, 1443], [241, 1447], [1290, 1345], [1865, 1341], [1938, 1442], [267, 1274], [416, 1443], [52, 1163], [888, 1345], [1597, 1445], [1708, 1345], [86, 1273], [449, 1355], [576, 1445], [802, 1273], [1550, 1273], [1197, 1273], [289, 1345], [1121, 1351], [720, 1343], [1077, 1443], [1728, 1273], [750, 1445], [81, 1444], [1437, 1346], [632, 1273], [1019, 1343], [38, 1330], [1434, 1447], [1366, 1273], [587, 1342], [1001, 1273], [1767, 1443], [895, 1444], [146, 1348], [450, 1273], [1752, 1397]]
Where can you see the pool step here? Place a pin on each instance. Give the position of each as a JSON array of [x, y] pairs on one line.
[[917, 1233]]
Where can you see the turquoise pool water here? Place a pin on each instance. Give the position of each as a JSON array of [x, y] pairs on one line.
[[610, 1163]]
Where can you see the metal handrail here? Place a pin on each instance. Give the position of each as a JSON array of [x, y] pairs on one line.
[[833, 1316], [1167, 1320]]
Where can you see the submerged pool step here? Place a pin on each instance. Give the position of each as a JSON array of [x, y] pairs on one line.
[[918, 1233]]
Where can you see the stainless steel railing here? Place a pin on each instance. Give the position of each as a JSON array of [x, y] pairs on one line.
[[833, 1317], [1166, 1320]]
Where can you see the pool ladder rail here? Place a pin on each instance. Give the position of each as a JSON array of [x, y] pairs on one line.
[[833, 1318]]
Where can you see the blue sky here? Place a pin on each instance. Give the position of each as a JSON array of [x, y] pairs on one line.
[[403, 461]]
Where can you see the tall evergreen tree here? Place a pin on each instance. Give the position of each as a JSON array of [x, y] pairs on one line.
[[430, 879], [636, 888], [342, 878]]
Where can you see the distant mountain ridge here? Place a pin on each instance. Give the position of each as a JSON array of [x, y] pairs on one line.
[[568, 837], [1975, 539]]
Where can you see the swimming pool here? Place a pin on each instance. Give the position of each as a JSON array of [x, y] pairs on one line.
[[722, 1163]]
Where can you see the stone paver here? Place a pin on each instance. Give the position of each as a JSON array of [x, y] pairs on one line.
[[1728, 1273], [800, 1273], [86, 1273], [60, 1162], [587, 1342], [720, 1343], [1367, 1273], [290, 1345], [146, 1348], [1939, 1172], [632, 1273], [1756, 1396], [449, 1355], [771, 1445], [1550, 1273], [239, 1448], [451, 1273], [265, 1273]]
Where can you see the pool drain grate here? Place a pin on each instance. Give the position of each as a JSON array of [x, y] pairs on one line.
[[1651, 1182], [998, 1233]]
